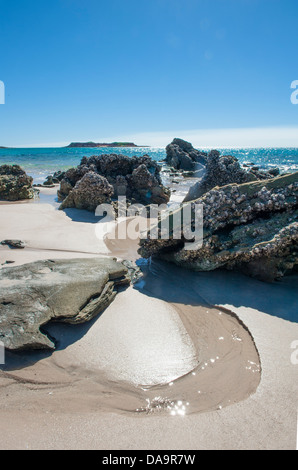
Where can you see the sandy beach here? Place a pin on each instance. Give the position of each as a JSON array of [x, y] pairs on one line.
[[149, 228], [164, 367]]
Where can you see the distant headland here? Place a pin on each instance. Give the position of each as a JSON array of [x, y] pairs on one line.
[[94, 145], [97, 145]]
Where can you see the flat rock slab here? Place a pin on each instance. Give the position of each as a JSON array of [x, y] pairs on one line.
[[72, 291]]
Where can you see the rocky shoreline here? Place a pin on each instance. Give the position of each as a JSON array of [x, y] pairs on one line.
[[90, 336], [250, 220], [251, 227], [250, 215]]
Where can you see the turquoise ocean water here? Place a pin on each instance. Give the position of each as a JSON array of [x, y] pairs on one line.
[[39, 163]]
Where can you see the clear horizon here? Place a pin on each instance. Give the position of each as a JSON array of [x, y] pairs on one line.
[[204, 139]]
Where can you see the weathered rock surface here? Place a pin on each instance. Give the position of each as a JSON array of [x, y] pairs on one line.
[[70, 291], [89, 192], [15, 184], [220, 171], [137, 178], [226, 169], [252, 227], [182, 156]]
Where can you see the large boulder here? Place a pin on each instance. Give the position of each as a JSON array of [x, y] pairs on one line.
[[182, 156], [70, 291], [220, 171], [15, 184], [251, 227], [146, 187], [137, 178], [89, 192]]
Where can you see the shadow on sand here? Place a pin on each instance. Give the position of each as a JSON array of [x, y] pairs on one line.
[[174, 284], [78, 215]]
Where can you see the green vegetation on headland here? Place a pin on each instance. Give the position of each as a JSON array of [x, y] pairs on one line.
[[93, 144]]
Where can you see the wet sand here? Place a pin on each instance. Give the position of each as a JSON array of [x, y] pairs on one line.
[[160, 369], [142, 355]]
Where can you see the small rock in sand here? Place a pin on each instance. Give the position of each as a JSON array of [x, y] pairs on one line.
[[18, 244]]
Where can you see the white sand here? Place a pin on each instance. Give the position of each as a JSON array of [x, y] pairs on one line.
[[30, 416], [49, 232]]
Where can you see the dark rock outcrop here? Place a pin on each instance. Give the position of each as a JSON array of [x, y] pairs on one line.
[[58, 176], [274, 172], [251, 227], [51, 180], [226, 169], [220, 170], [137, 178], [15, 184], [17, 244], [182, 156], [70, 291]]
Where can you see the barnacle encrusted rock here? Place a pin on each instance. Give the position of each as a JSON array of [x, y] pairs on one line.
[[15, 184], [252, 227], [220, 171], [137, 178], [89, 192], [69, 291]]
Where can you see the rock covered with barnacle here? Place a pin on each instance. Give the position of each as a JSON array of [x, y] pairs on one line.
[[15, 184], [113, 175], [222, 170], [251, 227]]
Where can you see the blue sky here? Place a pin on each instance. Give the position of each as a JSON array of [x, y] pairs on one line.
[[216, 72]]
